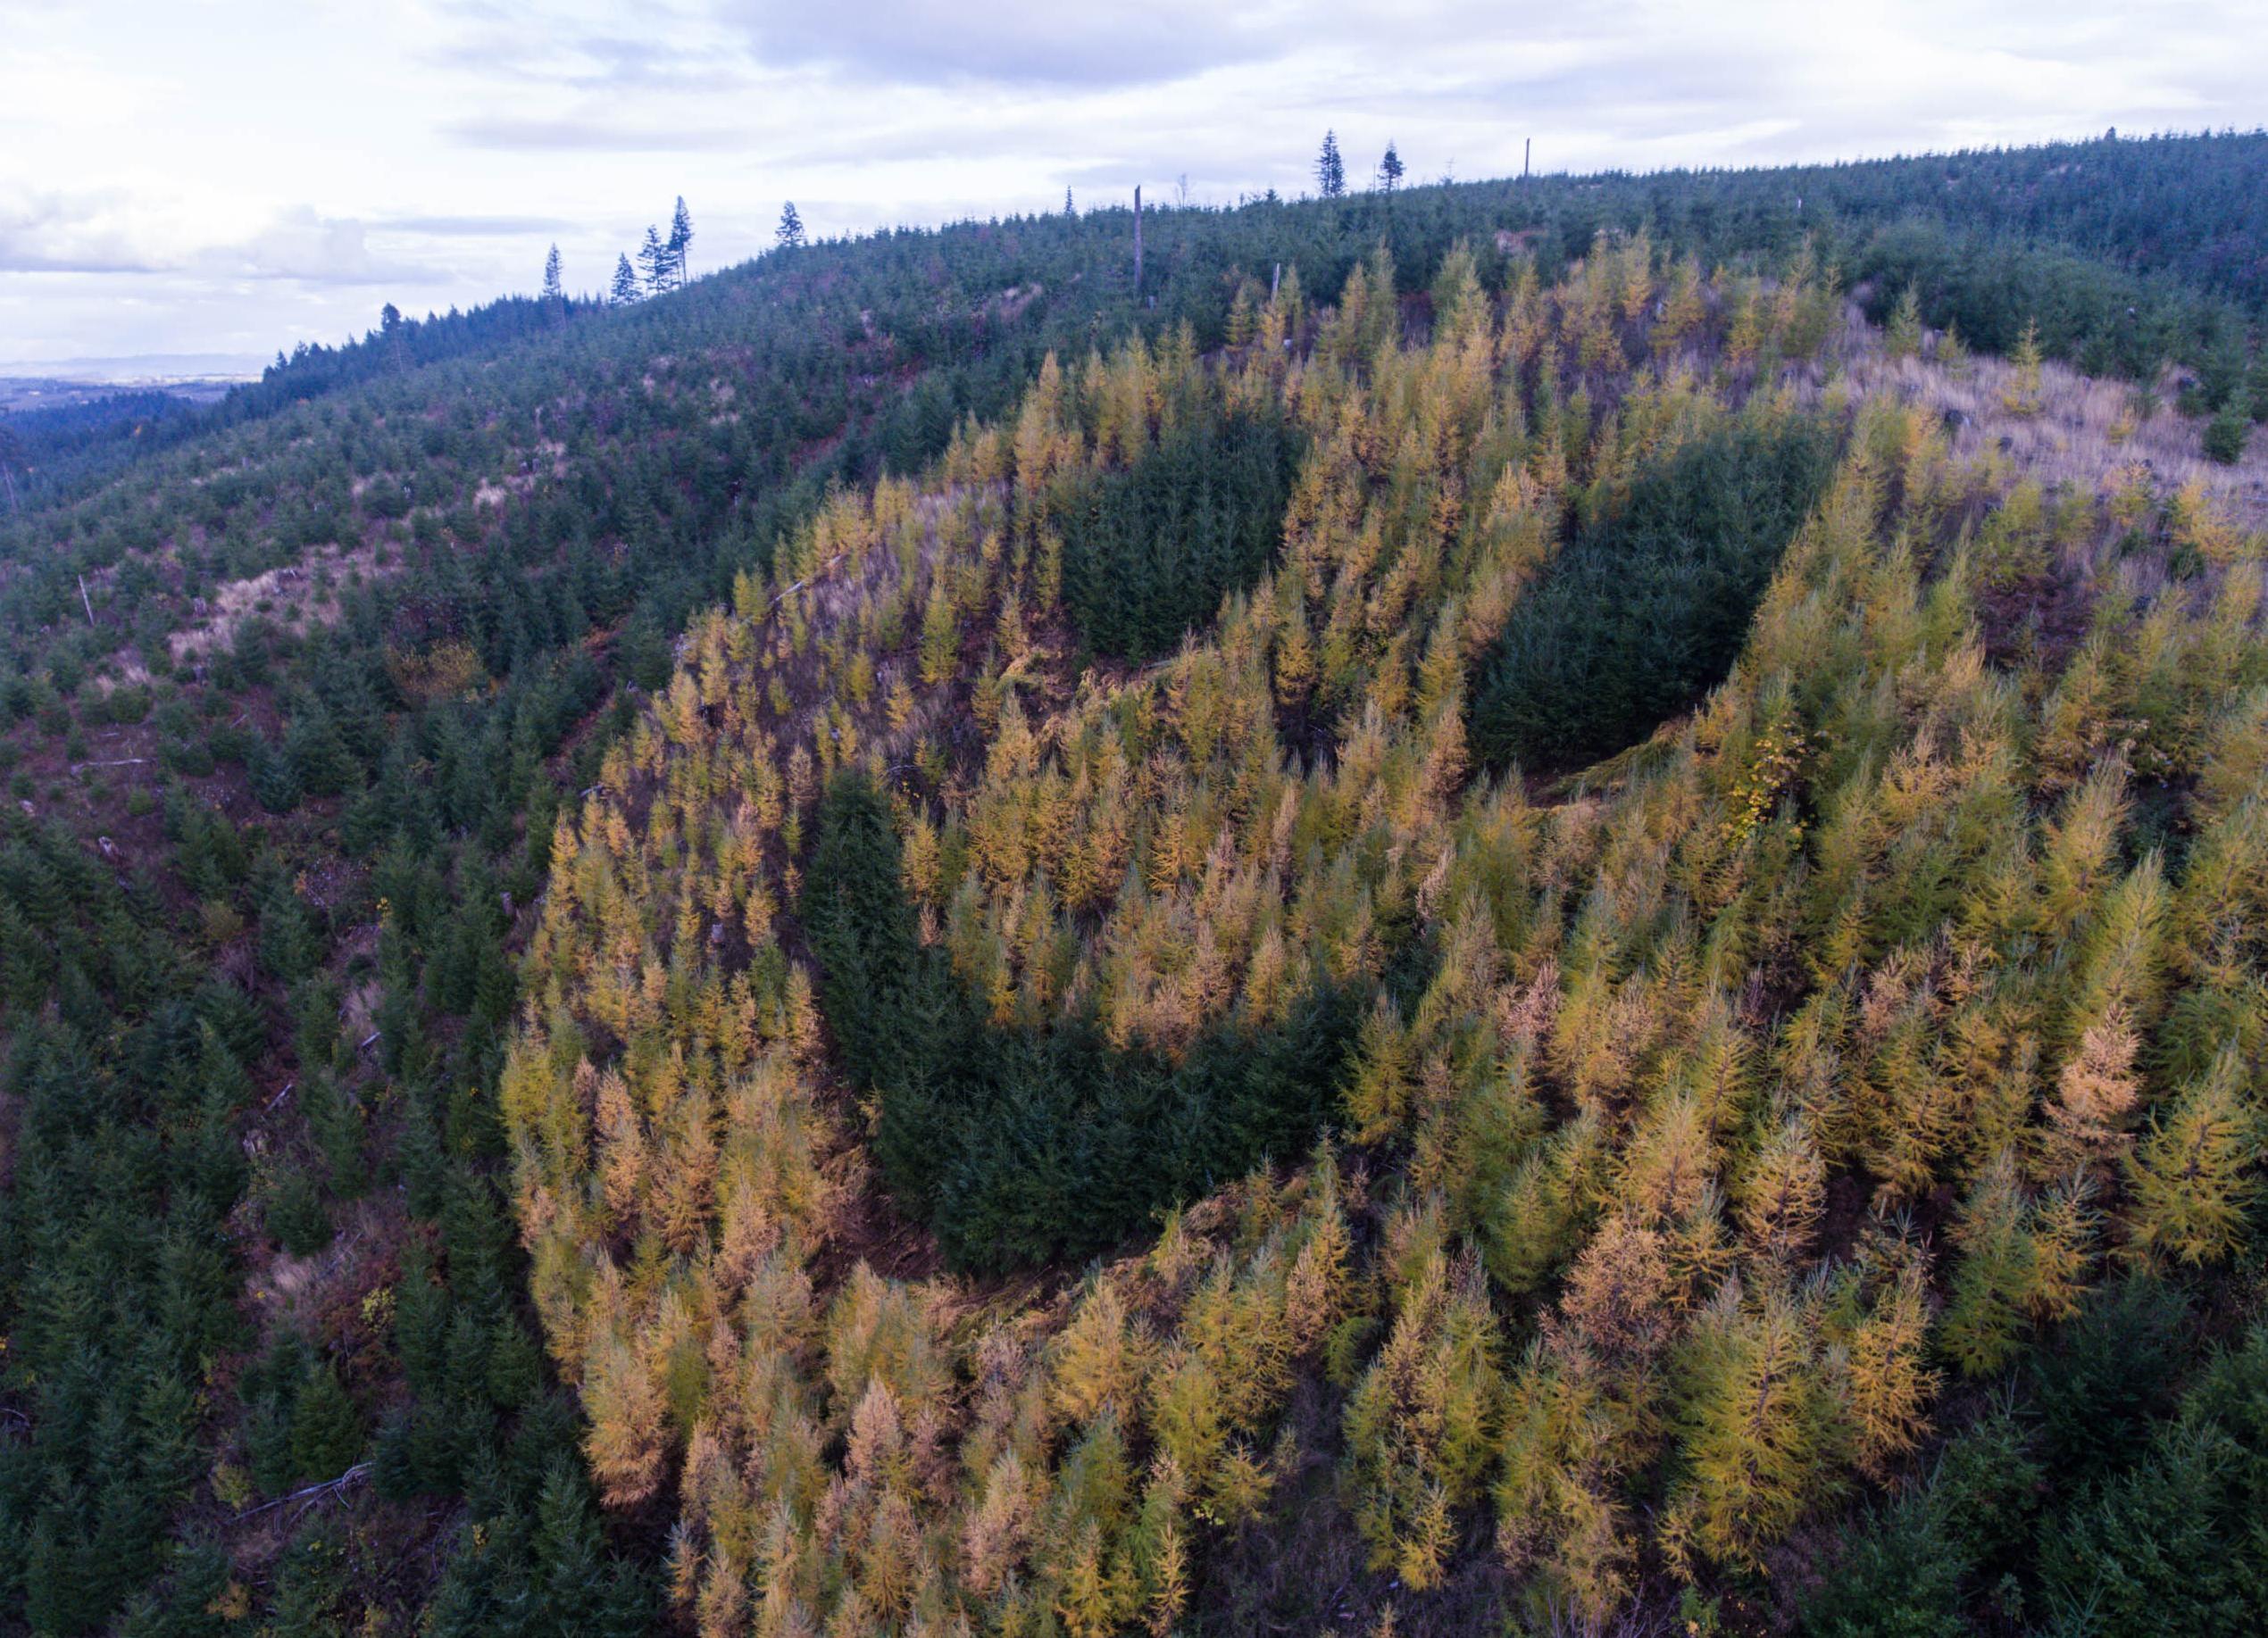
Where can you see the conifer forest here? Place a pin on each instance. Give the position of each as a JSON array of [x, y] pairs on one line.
[[1517, 907]]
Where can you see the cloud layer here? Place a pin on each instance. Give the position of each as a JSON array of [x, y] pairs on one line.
[[1016, 42]]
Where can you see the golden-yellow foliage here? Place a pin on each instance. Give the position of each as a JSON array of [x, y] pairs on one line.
[[1878, 911]]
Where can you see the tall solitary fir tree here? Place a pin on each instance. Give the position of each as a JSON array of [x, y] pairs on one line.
[[555, 289], [654, 261], [1330, 170], [791, 228], [1389, 171], [680, 242], [624, 289]]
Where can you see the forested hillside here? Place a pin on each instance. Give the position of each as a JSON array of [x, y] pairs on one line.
[[1506, 903], [1650, 1152]]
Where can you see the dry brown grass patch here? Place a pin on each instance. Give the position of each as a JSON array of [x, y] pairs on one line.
[[2085, 432], [295, 598]]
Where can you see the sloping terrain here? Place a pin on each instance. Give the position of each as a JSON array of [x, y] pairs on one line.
[[1698, 1124], [871, 910]]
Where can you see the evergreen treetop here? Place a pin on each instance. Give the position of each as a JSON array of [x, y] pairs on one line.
[[1330, 169], [680, 242], [654, 261]]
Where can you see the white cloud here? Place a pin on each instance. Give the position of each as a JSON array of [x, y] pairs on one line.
[[1022, 42], [51, 232], [309, 248]]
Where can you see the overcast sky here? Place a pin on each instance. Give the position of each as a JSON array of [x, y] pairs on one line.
[[229, 176]]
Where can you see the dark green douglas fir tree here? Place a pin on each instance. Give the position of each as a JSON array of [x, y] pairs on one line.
[[2153, 1529], [2226, 434], [115, 1282], [861, 928], [518, 1577], [1645, 611], [680, 243], [326, 1435], [1330, 169], [275, 779], [1022, 1145], [1150, 552], [653, 263], [1389, 171]]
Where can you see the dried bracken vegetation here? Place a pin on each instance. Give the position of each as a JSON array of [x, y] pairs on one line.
[[292, 596], [2064, 430]]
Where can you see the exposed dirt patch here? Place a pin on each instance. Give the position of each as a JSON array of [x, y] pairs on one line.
[[1009, 306], [1304, 1567]]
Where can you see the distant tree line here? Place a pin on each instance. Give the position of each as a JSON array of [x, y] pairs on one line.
[[663, 264], [2127, 252]]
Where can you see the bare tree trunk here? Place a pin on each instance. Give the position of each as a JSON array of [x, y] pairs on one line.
[[1275, 281], [1527, 152], [329, 1487], [1137, 242]]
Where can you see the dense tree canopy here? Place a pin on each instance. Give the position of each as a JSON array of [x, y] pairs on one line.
[[850, 949]]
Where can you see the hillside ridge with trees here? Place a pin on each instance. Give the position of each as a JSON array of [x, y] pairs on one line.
[[916, 938]]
